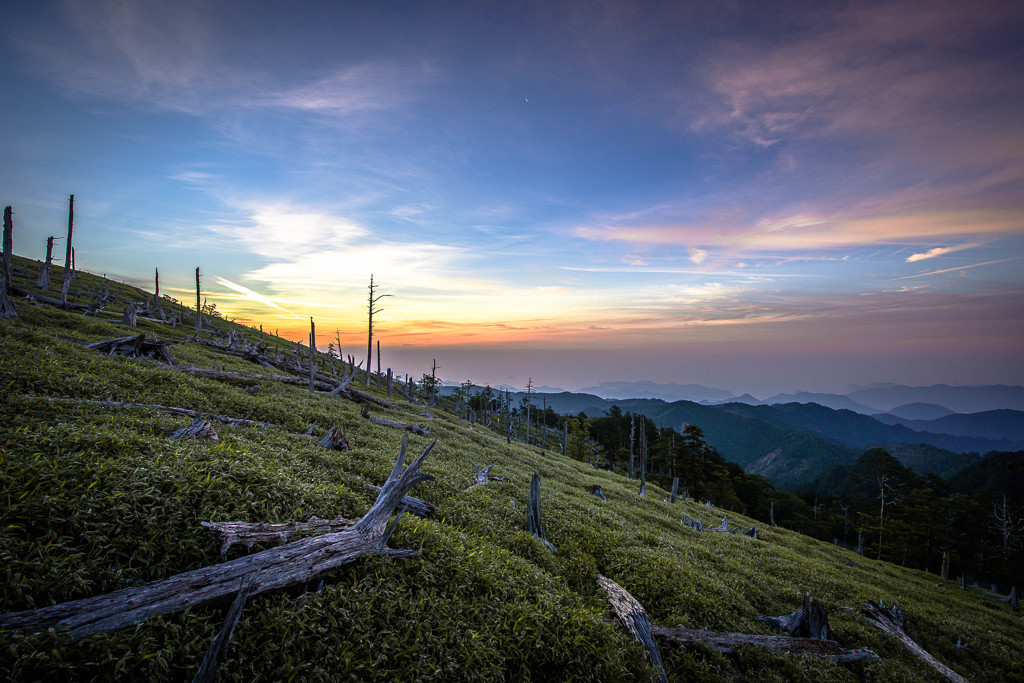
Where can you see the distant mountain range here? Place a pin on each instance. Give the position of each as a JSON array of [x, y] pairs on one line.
[[665, 392]]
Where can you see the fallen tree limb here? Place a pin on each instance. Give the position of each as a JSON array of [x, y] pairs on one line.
[[383, 422], [420, 508], [292, 564], [250, 533], [892, 620], [151, 406], [727, 643], [208, 670], [633, 616]]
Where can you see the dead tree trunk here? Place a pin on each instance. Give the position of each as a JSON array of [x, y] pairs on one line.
[[892, 620], [312, 355], [8, 248], [250, 533], [67, 254], [199, 305], [634, 617], [643, 457], [771, 514], [533, 523], [129, 315], [6, 307], [374, 298], [944, 573], [1012, 599], [810, 621], [292, 564], [675, 490], [727, 643], [44, 270], [335, 440], [156, 281]]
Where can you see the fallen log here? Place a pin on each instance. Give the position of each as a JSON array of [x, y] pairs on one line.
[[727, 643], [250, 533], [810, 621], [208, 669], [892, 620], [288, 565], [151, 406], [633, 616], [415, 429], [533, 523]]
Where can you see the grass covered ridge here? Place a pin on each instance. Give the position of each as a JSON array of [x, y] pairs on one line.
[[97, 499]]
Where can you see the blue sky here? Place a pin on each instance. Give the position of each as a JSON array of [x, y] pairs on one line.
[[755, 196]]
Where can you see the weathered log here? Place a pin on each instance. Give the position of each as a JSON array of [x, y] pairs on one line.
[[199, 429], [135, 345], [810, 621], [150, 406], [533, 522], [415, 429], [335, 439], [727, 643], [291, 564], [250, 533], [892, 620], [208, 670], [596, 490], [633, 616]]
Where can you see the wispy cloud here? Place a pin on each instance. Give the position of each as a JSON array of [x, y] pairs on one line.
[[259, 298], [951, 270], [939, 251]]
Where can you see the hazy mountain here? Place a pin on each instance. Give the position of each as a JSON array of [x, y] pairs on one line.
[[958, 399], [997, 474], [834, 401], [920, 411], [666, 392], [993, 424]]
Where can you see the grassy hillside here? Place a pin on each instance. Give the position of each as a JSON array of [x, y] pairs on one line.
[[96, 499]]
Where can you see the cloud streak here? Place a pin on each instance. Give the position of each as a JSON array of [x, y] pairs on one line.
[[939, 251]]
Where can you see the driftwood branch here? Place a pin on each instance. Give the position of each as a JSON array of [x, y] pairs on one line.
[[533, 523], [633, 616], [415, 429], [728, 642], [892, 620], [250, 533], [151, 406], [292, 564]]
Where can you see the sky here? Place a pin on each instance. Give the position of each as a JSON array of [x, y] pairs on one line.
[[754, 196]]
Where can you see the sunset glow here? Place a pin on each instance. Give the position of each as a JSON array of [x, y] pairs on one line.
[[748, 196]]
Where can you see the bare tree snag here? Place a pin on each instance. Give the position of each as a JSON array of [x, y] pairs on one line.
[[199, 305], [596, 490], [675, 490], [44, 270], [156, 282], [8, 248], [150, 406], [67, 254], [374, 298], [199, 429], [335, 440], [944, 572], [892, 620], [727, 643], [533, 523], [1012, 599], [752, 532], [7, 310], [250, 533], [346, 377], [312, 355], [810, 621], [633, 616], [292, 564], [136, 345], [129, 315], [415, 429], [771, 514], [378, 364]]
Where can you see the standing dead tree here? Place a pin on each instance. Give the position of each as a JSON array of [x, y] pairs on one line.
[[533, 523], [44, 270], [634, 617], [295, 563], [68, 254], [8, 248], [371, 308], [892, 620]]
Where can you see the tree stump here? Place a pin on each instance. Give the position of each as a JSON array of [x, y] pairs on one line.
[[335, 439], [810, 621], [596, 490], [199, 429]]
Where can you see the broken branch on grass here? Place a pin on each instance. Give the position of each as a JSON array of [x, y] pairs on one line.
[[482, 476], [892, 620], [727, 643], [199, 429], [288, 565], [135, 345], [415, 429], [633, 616], [150, 406]]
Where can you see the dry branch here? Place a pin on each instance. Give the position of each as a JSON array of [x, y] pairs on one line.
[[250, 533], [728, 642], [150, 406], [891, 620], [633, 616], [415, 429], [292, 564]]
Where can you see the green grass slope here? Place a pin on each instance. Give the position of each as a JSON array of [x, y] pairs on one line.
[[96, 499]]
